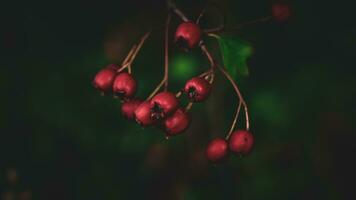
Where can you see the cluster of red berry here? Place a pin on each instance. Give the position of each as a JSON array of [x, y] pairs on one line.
[[162, 108]]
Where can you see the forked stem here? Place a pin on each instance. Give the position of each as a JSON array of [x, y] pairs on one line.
[[241, 102], [128, 57], [132, 54], [234, 122]]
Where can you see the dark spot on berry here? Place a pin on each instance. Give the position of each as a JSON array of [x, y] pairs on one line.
[[192, 93], [182, 43], [157, 112], [121, 94]]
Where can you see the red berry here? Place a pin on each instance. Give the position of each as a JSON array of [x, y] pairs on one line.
[[241, 142], [176, 123], [128, 108], [197, 89], [163, 104], [217, 150], [124, 85], [143, 114], [188, 35], [281, 12], [104, 78]]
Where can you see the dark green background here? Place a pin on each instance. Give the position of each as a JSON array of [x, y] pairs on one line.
[[68, 142]]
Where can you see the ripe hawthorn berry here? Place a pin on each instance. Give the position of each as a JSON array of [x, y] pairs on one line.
[[197, 89], [281, 12], [162, 105], [104, 79], [188, 35], [143, 114], [128, 108], [217, 150], [176, 123], [241, 142], [124, 85]]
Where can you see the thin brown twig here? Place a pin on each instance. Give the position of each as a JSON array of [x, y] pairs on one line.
[[174, 8], [222, 24], [208, 55], [128, 57], [201, 15], [166, 53], [235, 121], [133, 53], [222, 28], [164, 81], [156, 90], [241, 100], [139, 46]]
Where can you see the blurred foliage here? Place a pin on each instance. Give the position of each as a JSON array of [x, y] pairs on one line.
[[183, 66]]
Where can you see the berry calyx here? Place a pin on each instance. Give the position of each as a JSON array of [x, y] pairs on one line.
[[124, 85], [281, 12], [241, 142], [163, 104], [104, 79], [128, 108], [176, 123], [188, 35], [143, 114], [197, 89], [217, 150]]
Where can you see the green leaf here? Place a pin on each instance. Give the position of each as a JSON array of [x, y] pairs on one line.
[[235, 53]]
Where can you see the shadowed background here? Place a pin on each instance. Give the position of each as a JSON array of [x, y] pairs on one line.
[[61, 140]]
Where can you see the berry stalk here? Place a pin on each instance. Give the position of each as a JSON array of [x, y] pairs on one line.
[[166, 62], [241, 102], [174, 8], [189, 106], [166, 53], [133, 53], [222, 28], [128, 57], [222, 24]]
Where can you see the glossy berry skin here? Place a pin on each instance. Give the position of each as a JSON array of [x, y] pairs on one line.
[[188, 35], [241, 142], [163, 104], [143, 114], [128, 108], [104, 79], [281, 12], [197, 89], [124, 85], [217, 150], [176, 123]]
